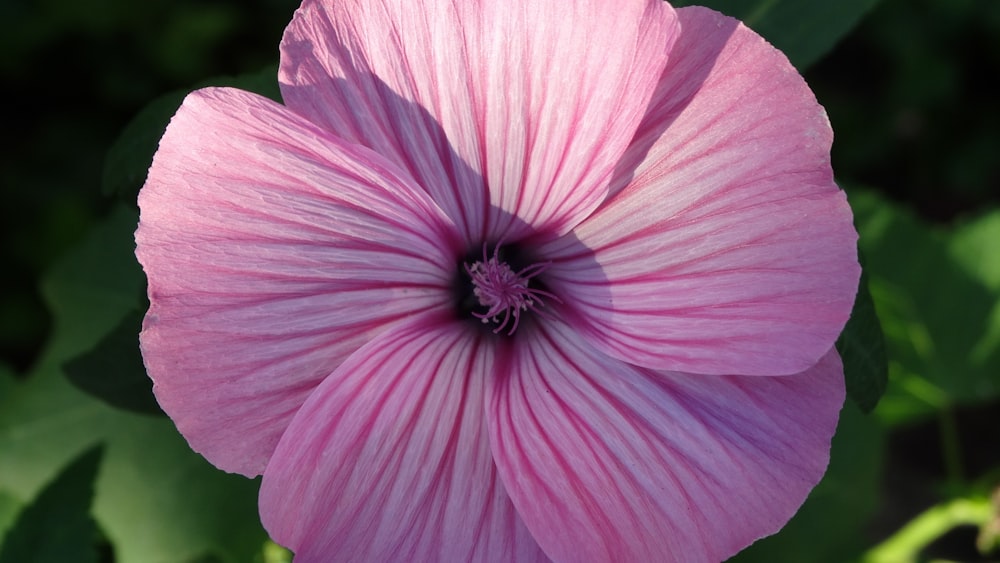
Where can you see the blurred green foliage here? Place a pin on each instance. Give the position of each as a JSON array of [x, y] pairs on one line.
[[156, 499], [57, 526]]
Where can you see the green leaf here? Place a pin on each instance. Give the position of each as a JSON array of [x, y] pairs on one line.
[[10, 507], [862, 349], [128, 160], [93, 288], [156, 499], [974, 246], [100, 290], [935, 291], [57, 526], [803, 29], [113, 371]]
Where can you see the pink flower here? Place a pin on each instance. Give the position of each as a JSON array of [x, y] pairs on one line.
[[505, 280]]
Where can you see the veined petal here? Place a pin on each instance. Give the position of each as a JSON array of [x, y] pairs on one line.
[[389, 460], [729, 249], [608, 462], [273, 252], [499, 109]]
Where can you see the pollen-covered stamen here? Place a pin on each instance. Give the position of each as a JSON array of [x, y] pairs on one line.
[[504, 293]]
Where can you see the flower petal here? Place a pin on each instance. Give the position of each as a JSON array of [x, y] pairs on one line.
[[499, 109], [389, 460], [273, 251], [608, 462], [730, 249]]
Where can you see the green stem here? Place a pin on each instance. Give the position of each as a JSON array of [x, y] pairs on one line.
[[905, 545]]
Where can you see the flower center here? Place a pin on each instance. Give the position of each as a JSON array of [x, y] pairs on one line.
[[503, 293]]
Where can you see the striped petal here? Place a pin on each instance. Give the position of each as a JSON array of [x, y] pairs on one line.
[[389, 460], [273, 251], [608, 462], [726, 247], [499, 109]]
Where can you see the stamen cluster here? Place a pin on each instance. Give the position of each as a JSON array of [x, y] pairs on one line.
[[504, 293]]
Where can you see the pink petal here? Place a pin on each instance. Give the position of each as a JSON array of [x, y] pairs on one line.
[[730, 249], [608, 462], [389, 460], [499, 109], [273, 252]]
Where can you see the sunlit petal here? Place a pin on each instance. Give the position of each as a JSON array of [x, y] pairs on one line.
[[727, 248], [389, 460], [608, 462], [273, 252]]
